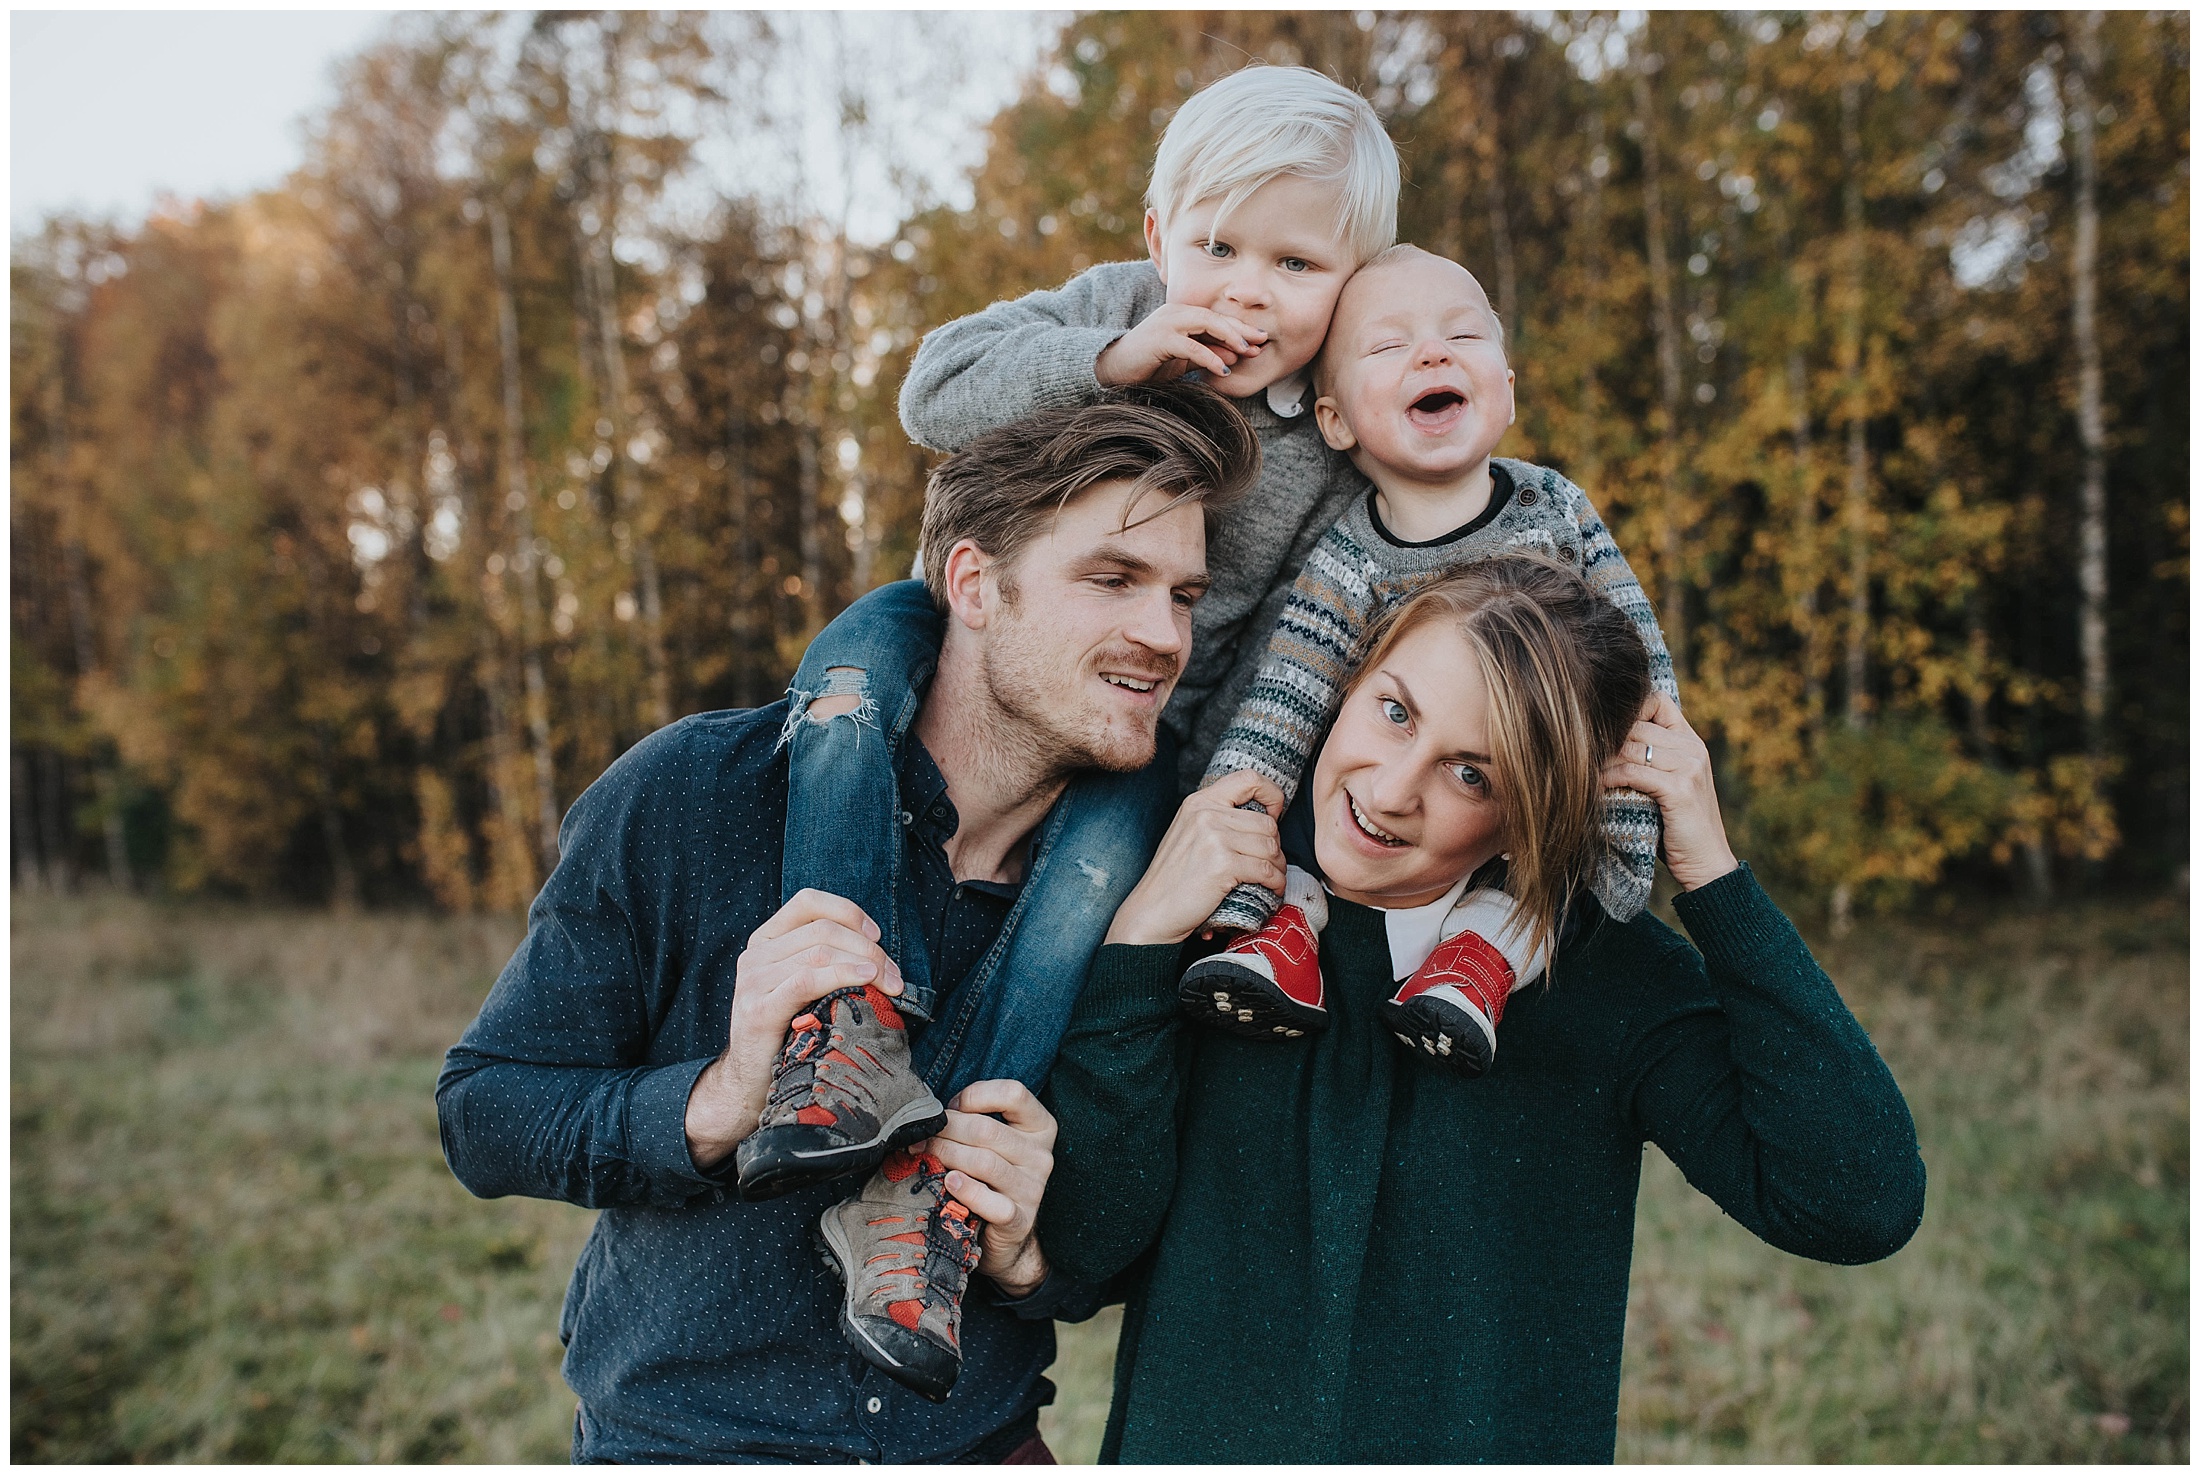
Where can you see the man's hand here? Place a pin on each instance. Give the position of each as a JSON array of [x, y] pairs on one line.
[[999, 1169], [1212, 845], [1174, 339], [810, 947]]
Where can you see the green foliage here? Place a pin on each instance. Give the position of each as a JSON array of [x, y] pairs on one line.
[[1883, 809], [1792, 296]]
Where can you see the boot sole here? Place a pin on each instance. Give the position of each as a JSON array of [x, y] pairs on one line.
[[890, 1347], [783, 1159], [1230, 998], [1442, 1033]]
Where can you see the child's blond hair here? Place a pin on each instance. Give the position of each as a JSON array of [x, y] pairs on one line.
[[1235, 135]]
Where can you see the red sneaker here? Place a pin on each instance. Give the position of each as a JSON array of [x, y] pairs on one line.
[[1449, 1008], [1267, 984]]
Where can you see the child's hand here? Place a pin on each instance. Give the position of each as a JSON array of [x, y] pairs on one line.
[[1211, 846], [1174, 340]]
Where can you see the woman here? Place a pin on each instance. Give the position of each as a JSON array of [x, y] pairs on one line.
[[1340, 1251]]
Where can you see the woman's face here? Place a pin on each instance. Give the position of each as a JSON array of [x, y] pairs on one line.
[[1402, 801]]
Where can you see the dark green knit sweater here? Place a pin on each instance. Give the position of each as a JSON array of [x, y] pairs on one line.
[[1344, 1254]]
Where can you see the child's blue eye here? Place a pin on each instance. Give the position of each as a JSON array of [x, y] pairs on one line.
[[1296, 264], [1216, 249]]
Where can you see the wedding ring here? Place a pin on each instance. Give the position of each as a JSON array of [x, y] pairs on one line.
[[1648, 752]]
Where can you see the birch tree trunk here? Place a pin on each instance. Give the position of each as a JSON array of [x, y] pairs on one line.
[[1856, 501], [520, 501], [1672, 607], [2085, 329]]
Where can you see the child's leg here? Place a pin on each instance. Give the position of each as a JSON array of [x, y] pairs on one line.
[[1093, 851], [1268, 983], [858, 689], [1449, 1008]]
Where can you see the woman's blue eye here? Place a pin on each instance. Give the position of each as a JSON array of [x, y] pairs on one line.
[[1470, 776], [1393, 711]]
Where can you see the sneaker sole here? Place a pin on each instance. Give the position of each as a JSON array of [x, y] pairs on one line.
[[890, 1347], [779, 1161], [1227, 997], [1446, 1035]]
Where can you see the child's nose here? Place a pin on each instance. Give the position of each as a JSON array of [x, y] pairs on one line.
[[1434, 351]]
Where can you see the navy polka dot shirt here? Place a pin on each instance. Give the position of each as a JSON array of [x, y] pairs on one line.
[[699, 1327]]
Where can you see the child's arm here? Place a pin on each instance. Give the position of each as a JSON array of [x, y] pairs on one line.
[[1036, 353], [1631, 822]]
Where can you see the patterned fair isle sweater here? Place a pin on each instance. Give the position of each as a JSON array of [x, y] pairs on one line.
[[1358, 569]]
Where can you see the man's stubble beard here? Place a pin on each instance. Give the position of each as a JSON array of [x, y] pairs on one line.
[[1013, 676]]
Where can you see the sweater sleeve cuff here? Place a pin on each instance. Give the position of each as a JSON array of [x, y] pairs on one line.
[[1131, 980], [1734, 924], [1059, 1296], [656, 1127], [1063, 372]]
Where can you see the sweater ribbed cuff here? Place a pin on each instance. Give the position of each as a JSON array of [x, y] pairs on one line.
[[1130, 981], [656, 1126], [1062, 371], [1734, 924]]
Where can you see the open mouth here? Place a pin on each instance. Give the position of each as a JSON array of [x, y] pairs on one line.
[[1369, 828], [1437, 410], [1129, 683]]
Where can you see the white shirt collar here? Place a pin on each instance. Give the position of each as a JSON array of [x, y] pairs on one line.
[[1414, 931], [1288, 395]]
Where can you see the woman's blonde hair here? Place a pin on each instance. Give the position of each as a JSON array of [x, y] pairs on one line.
[[1567, 675], [1235, 135]]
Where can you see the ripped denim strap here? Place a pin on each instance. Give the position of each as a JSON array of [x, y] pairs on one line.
[[840, 681]]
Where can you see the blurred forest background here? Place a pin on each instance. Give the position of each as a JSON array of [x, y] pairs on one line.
[[358, 524]]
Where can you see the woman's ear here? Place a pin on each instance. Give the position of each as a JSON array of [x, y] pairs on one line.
[[1330, 421]]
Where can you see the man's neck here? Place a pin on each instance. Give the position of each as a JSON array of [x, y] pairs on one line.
[[1416, 511], [1000, 788]]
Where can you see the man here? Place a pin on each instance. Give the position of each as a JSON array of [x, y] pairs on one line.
[[630, 1045]]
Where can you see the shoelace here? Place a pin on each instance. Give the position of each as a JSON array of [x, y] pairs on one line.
[[814, 1046], [924, 1270]]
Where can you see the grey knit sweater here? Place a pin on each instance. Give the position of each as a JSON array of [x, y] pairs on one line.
[[1037, 353]]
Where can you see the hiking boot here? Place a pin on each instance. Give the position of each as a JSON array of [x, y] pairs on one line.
[[843, 1096], [1449, 1008], [904, 1251], [1267, 984]]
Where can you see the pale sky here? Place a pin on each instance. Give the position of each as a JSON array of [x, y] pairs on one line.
[[111, 109]]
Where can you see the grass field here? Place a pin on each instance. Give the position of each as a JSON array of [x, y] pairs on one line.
[[234, 1237]]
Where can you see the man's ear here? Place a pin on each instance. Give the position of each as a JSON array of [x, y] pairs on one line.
[[1330, 421], [963, 577], [1153, 244]]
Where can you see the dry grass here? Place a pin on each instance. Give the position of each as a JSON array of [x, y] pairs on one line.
[[234, 1237]]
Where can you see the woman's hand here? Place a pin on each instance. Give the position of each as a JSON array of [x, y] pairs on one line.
[[1212, 845], [1664, 758], [1000, 1169]]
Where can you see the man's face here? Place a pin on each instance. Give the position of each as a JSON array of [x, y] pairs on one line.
[[1414, 374], [1093, 626], [1275, 263]]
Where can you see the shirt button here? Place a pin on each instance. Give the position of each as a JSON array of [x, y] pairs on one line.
[[874, 1406], [1568, 553], [1527, 496]]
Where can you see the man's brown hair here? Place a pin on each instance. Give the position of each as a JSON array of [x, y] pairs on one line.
[[1001, 490], [1567, 674]]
